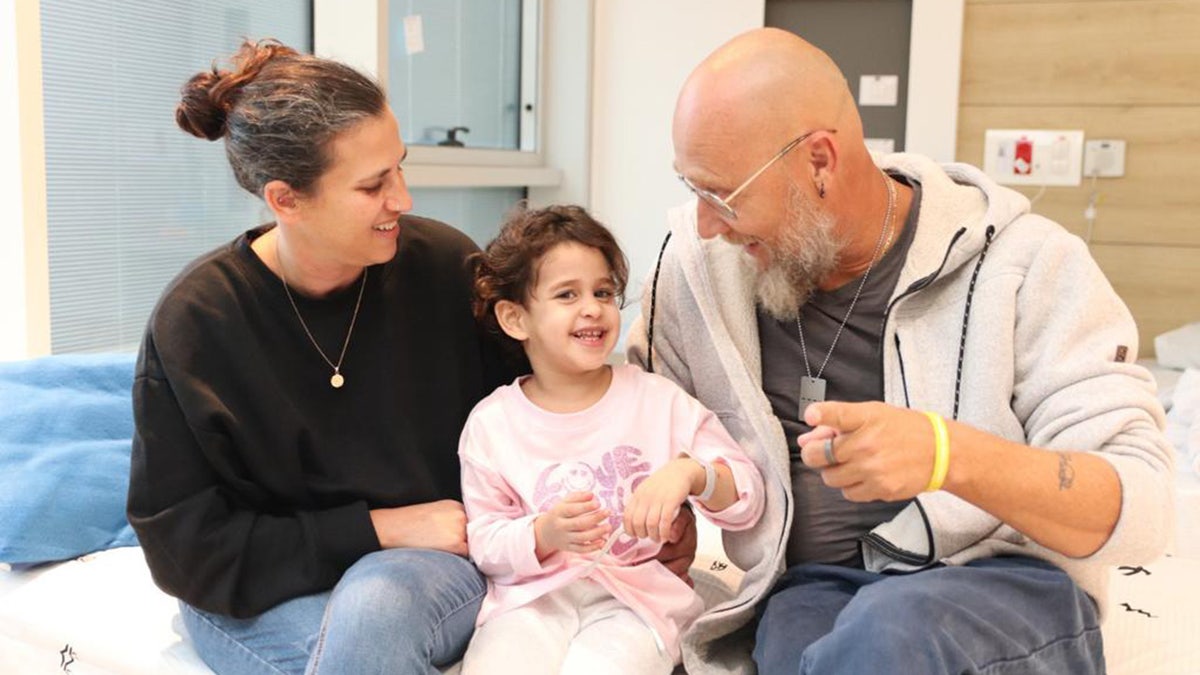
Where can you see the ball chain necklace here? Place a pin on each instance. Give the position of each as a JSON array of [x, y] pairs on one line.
[[337, 379], [812, 389]]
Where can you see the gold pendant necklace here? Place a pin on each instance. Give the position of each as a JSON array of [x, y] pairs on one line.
[[337, 379]]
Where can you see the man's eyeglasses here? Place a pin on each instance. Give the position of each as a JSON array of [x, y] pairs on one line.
[[722, 205]]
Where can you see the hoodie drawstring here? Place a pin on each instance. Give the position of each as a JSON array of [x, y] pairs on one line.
[[962, 342], [653, 301]]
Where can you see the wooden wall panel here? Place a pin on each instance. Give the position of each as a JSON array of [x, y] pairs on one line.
[[1158, 283], [1119, 69], [1158, 200], [1027, 2], [1077, 53]]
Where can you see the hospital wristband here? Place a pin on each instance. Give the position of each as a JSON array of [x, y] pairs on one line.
[[941, 452], [710, 480]]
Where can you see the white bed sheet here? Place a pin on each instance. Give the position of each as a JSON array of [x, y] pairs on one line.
[[1182, 387], [1166, 378], [1154, 619], [102, 615], [97, 614]]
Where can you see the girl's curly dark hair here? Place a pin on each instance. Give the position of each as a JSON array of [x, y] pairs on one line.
[[507, 269]]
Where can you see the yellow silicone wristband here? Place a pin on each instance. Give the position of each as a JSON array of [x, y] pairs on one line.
[[941, 452]]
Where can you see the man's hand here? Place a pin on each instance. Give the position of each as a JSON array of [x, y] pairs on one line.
[[576, 524], [880, 451], [1066, 501], [440, 525], [679, 550], [655, 503]]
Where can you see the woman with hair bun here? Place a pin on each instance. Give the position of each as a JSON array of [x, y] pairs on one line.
[[300, 393], [301, 390]]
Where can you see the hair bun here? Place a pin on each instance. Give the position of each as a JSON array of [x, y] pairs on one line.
[[207, 98], [199, 112]]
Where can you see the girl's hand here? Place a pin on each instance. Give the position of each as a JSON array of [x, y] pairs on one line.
[[656, 501], [576, 524]]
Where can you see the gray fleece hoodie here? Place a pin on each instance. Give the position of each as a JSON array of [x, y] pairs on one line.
[[1047, 360]]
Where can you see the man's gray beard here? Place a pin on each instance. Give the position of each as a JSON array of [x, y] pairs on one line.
[[805, 252]]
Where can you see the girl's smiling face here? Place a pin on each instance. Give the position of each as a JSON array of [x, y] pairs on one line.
[[570, 322]]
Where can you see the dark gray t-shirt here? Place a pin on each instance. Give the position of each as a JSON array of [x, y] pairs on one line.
[[826, 527]]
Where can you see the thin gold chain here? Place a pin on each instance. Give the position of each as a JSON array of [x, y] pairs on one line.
[[337, 367]]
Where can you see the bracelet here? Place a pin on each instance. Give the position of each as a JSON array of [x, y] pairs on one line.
[[941, 452], [710, 480]]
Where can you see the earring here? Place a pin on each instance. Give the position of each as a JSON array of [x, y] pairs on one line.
[[821, 190]]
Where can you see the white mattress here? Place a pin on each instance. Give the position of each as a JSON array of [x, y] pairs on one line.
[[1187, 484], [101, 614], [97, 614], [1164, 376], [1187, 517], [1154, 619]]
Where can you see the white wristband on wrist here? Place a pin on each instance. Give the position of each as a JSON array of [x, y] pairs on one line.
[[710, 480]]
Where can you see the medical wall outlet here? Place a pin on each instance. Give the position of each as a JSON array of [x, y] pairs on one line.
[[1033, 156], [1104, 159]]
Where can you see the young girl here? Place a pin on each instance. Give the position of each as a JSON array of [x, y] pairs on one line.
[[573, 475]]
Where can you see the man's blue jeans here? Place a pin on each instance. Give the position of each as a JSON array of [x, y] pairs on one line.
[[394, 611], [994, 615]]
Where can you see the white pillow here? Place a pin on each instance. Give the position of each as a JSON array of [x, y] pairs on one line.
[[1179, 348]]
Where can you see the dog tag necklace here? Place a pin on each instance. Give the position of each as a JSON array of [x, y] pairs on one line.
[[337, 379], [812, 388]]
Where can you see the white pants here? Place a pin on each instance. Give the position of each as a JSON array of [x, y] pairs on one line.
[[579, 628]]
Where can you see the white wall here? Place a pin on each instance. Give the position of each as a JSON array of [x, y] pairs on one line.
[[351, 31], [12, 224], [934, 66], [643, 53], [24, 265], [566, 97]]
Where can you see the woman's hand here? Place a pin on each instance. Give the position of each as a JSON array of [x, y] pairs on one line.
[[576, 524], [440, 525], [655, 502], [678, 552]]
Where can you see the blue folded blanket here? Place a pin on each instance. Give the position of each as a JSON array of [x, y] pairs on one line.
[[65, 429]]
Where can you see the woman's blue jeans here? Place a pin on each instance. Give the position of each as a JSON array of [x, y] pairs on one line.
[[991, 616], [394, 611]]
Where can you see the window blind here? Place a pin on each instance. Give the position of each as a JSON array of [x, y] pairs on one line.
[[131, 198]]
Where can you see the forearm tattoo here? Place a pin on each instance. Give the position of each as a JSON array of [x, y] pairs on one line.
[[1066, 472]]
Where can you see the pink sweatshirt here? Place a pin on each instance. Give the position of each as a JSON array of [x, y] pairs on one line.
[[518, 460]]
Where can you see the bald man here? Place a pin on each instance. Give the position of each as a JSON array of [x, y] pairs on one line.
[[938, 386]]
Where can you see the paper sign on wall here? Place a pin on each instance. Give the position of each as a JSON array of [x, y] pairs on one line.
[[881, 146], [878, 90], [414, 34]]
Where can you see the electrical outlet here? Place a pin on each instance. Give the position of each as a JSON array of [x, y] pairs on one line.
[[1033, 156], [1104, 159]]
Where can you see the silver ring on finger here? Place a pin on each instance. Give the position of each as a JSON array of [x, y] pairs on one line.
[[830, 459]]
